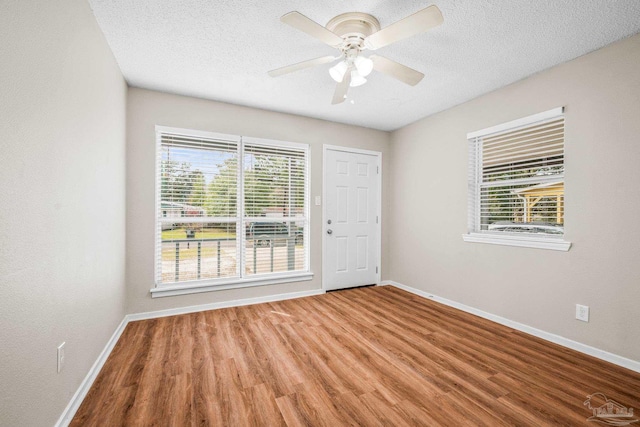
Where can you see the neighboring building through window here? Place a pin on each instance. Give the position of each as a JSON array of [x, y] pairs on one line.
[[516, 182], [230, 210]]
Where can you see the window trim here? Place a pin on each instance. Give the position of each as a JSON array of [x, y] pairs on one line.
[[510, 239], [198, 286], [208, 285], [552, 243]]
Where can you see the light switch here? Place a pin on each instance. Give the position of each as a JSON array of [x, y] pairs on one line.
[[318, 200]]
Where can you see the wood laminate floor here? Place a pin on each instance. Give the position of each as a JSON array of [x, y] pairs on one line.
[[365, 357]]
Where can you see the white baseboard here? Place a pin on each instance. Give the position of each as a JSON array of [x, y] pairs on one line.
[[557, 339], [85, 385], [81, 393]]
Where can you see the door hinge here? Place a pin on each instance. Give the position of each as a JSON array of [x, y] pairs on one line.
[[376, 270], [376, 219], [378, 169]]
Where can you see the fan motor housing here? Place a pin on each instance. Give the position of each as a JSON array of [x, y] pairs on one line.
[[353, 27]]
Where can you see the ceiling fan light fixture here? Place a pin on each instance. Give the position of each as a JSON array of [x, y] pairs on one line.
[[337, 71], [363, 65], [357, 79], [354, 32]]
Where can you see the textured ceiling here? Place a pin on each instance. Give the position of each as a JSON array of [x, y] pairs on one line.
[[222, 50]]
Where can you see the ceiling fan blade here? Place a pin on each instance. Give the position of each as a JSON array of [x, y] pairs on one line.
[[304, 24], [302, 65], [417, 23], [342, 88], [397, 71]]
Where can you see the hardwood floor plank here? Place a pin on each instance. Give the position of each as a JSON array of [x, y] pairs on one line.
[[265, 411], [245, 358], [348, 403], [378, 406], [427, 414], [158, 385], [206, 410], [275, 370], [364, 357], [323, 374], [285, 358], [493, 412], [458, 412], [112, 405], [352, 375], [232, 400], [293, 412]]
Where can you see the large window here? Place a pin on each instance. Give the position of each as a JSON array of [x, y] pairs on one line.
[[231, 211], [516, 182]]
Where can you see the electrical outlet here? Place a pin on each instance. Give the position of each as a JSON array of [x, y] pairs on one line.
[[582, 312], [61, 357]]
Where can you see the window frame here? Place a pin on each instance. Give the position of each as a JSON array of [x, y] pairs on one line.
[[241, 281], [475, 174]]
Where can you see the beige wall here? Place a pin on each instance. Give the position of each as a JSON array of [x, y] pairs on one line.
[[147, 108], [428, 189], [62, 175]]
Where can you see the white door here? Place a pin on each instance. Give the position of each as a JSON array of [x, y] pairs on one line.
[[351, 218]]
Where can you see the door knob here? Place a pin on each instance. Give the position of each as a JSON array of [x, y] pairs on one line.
[[329, 231], [328, 221]]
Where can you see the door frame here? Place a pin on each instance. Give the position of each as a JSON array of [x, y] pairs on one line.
[[378, 155]]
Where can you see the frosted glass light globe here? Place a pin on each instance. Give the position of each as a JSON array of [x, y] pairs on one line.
[[337, 71], [357, 79], [363, 65]]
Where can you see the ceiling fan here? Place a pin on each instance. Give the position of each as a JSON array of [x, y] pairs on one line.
[[354, 32]]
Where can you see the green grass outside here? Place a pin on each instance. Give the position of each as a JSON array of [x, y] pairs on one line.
[[191, 253], [208, 249], [209, 233]]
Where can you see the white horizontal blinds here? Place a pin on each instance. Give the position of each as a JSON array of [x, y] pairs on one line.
[[529, 152], [197, 208], [275, 211], [520, 175]]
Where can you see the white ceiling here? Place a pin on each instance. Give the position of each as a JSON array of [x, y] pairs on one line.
[[222, 50]]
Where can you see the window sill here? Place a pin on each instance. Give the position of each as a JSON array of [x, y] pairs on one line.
[[550, 243], [224, 284]]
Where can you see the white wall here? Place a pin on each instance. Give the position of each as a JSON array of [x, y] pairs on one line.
[[62, 217], [145, 109], [428, 190]]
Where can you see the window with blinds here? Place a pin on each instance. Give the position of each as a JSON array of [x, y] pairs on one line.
[[274, 218], [229, 208], [516, 177]]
